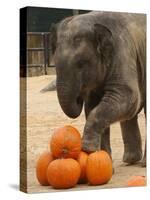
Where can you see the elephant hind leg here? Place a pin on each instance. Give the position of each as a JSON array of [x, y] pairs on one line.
[[144, 156], [132, 141]]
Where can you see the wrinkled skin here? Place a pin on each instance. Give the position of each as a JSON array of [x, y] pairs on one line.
[[100, 62]]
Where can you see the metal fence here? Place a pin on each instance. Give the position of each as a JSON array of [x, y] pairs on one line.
[[38, 58], [45, 49]]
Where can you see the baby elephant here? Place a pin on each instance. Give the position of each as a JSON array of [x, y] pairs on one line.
[[100, 60]]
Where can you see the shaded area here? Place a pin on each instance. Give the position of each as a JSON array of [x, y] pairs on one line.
[[14, 186]]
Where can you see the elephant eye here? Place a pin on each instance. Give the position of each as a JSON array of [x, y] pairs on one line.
[[57, 44], [77, 40]]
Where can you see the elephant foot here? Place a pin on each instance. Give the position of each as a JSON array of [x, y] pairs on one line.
[[132, 157], [90, 146], [143, 162], [107, 149]]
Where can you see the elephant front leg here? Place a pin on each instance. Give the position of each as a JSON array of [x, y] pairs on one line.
[[96, 131], [132, 141], [101, 141], [93, 142], [105, 141]]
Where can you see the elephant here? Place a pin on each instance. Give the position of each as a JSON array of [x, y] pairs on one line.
[[50, 87], [100, 60]]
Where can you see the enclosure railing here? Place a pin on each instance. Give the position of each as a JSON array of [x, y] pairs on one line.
[[36, 42], [45, 49]]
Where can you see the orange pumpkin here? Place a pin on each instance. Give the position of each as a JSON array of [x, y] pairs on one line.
[[99, 168], [63, 173], [82, 159], [66, 142], [41, 167], [136, 181]]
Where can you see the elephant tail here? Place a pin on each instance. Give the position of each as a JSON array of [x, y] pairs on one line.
[[50, 87]]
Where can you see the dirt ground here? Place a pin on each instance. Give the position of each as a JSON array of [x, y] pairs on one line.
[[44, 115]]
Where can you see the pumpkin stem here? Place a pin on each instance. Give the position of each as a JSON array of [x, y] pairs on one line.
[[64, 151]]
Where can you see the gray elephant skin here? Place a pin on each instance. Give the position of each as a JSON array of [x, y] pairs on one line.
[[100, 60]]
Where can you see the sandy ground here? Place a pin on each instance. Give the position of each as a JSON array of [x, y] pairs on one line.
[[44, 115]]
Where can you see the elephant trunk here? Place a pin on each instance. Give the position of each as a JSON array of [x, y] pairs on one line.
[[69, 99]]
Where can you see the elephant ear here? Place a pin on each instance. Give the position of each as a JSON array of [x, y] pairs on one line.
[[104, 43], [53, 37]]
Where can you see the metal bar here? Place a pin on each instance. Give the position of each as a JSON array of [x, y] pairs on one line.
[[44, 45], [33, 65], [47, 51], [32, 49], [37, 33], [75, 12], [35, 49]]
